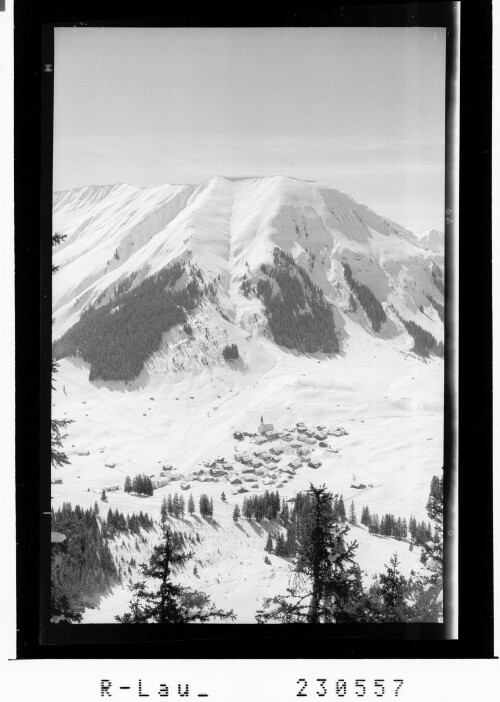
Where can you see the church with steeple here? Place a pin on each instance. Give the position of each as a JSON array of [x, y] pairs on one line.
[[265, 427]]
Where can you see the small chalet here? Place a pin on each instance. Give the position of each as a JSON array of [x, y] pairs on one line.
[[272, 434], [161, 482]]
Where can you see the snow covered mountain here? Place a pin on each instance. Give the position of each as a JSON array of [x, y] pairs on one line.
[[433, 240], [154, 283], [118, 236]]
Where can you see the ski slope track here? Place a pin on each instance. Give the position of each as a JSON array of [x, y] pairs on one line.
[[186, 404]]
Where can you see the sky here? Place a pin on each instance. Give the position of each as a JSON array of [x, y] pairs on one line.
[[362, 109]]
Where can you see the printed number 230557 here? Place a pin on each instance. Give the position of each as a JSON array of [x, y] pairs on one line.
[[357, 688]]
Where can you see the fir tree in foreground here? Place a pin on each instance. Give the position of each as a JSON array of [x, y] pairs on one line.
[[428, 589], [57, 426], [390, 596], [326, 579], [168, 603]]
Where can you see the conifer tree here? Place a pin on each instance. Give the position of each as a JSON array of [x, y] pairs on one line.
[[104, 497], [352, 515], [280, 549], [223, 497], [128, 484], [324, 583], [291, 541], [168, 603], [269, 544], [191, 507], [163, 511], [236, 513], [394, 591], [428, 588], [374, 527], [341, 509], [58, 457], [170, 505]]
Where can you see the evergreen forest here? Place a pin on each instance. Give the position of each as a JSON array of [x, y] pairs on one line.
[[117, 337], [298, 315], [373, 308]]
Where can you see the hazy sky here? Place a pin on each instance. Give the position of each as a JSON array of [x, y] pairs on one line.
[[359, 108]]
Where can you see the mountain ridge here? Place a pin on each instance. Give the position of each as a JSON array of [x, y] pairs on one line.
[[229, 230]]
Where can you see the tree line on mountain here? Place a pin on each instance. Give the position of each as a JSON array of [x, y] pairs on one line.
[[424, 343], [437, 278], [371, 305], [118, 337], [82, 567], [298, 315], [437, 306], [117, 522], [329, 586]]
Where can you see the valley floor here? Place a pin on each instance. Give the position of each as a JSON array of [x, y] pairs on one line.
[[389, 402]]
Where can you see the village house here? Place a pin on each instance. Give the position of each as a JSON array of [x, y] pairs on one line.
[[272, 434], [276, 450], [216, 473], [161, 482]]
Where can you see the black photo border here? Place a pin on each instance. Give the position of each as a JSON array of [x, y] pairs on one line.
[[33, 95]]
